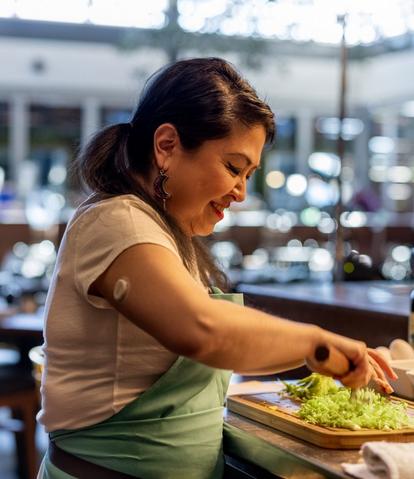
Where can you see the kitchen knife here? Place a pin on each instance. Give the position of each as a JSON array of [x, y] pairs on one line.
[[333, 360]]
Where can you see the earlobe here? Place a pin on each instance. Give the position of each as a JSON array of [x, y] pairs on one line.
[[165, 141]]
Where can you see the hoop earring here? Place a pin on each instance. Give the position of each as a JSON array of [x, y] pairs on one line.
[[159, 188]]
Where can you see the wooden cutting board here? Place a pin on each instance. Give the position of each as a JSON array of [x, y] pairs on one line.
[[278, 412]]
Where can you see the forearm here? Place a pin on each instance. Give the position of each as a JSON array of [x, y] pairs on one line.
[[280, 368], [249, 341]]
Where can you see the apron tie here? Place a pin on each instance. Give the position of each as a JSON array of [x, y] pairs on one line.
[[79, 468]]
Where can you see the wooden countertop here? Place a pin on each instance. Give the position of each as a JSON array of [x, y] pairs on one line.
[[373, 296], [280, 453], [375, 312]]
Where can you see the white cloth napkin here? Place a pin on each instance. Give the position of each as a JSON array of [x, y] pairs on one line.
[[384, 460]]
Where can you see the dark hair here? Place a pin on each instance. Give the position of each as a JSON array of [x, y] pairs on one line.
[[203, 98]]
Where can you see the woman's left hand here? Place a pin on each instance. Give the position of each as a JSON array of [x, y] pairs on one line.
[[380, 369]]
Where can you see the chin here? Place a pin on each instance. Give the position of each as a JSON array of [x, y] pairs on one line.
[[206, 231]]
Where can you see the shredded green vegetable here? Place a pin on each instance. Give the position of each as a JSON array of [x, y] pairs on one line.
[[313, 385], [325, 403]]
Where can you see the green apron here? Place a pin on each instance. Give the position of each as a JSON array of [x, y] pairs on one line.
[[172, 430]]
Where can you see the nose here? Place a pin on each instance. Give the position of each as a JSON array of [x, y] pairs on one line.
[[239, 190]]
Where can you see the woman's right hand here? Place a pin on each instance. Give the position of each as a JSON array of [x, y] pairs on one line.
[[366, 366]]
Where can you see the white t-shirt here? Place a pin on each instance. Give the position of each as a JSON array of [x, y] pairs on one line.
[[97, 361]]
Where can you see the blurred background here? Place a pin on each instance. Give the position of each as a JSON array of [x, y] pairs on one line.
[[69, 68], [333, 200]]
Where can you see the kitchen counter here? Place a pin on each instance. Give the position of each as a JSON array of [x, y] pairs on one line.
[[373, 311], [280, 454]]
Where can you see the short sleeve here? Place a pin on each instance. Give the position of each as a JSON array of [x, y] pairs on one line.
[[108, 228]]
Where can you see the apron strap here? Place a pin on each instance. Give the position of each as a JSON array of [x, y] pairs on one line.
[[215, 290], [79, 468]]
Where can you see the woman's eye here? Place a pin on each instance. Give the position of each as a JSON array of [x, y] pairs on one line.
[[233, 169]]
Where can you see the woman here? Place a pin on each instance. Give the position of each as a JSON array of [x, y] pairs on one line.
[[138, 355]]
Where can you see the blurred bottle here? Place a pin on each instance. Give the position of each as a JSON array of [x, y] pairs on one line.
[[359, 267]]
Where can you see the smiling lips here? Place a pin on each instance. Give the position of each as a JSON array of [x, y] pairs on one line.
[[218, 209]]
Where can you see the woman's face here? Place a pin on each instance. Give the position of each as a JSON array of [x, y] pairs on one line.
[[205, 181]]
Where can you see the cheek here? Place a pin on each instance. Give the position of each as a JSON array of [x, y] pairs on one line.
[[198, 186], [215, 184]]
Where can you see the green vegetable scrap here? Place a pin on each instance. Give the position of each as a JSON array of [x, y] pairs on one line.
[[324, 403], [313, 385]]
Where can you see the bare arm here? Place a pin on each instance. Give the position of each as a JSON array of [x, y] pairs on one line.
[[280, 368], [166, 302]]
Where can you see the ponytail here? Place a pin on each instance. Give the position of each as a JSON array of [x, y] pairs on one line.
[[103, 162]]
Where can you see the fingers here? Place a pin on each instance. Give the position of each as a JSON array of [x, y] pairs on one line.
[[369, 364], [379, 378], [384, 364], [356, 352], [377, 371], [360, 376], [380, 368], [341, 353], [353, 349]]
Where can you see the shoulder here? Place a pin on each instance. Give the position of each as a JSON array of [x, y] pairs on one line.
[[124, 211], [123, 220]]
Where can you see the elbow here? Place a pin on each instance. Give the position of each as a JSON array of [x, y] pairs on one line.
[[196, 342], [209, 343]]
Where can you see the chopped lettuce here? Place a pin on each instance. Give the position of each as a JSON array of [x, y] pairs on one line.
[[313, 385], [326, 404]]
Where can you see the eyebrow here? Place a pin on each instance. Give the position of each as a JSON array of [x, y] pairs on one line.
[[246, 158]]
